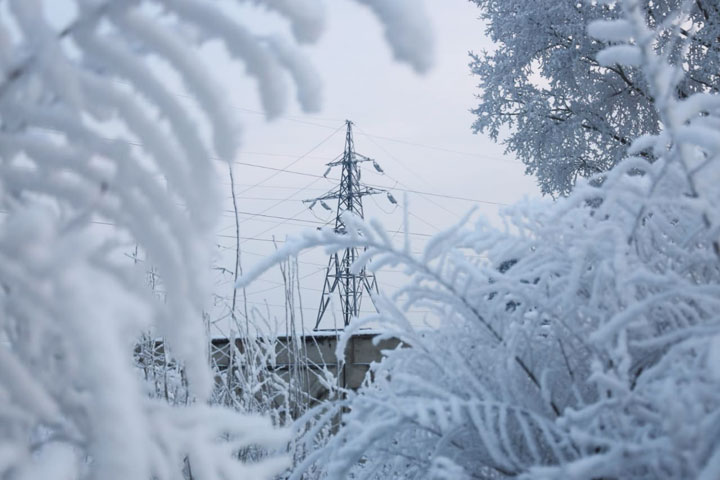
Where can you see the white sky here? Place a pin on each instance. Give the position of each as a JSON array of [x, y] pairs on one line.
[[416, 127]]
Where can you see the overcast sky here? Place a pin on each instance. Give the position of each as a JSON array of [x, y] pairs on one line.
[[417, 127]]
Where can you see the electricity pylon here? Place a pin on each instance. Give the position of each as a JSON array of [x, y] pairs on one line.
[[338, 277]]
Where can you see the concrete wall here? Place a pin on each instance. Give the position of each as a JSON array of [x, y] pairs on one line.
[[315, 352]]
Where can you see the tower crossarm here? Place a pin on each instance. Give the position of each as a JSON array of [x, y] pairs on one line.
[[358, 192], [354, 158]]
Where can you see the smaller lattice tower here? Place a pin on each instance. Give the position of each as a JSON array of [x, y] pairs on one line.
[[338, 277]]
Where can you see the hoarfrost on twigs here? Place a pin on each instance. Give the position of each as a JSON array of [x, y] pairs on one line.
[[71, 402], [580, 342]]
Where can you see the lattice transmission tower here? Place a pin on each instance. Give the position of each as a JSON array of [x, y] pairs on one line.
[[338, 277]]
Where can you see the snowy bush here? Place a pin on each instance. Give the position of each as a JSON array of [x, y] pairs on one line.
[[71, 402], [585, 347]]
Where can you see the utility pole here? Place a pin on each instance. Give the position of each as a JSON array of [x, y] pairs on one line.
[[349, 194]]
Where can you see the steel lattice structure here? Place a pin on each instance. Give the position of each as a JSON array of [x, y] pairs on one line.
[[349, 194]]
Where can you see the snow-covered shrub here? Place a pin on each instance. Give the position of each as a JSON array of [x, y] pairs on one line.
[[265, 364], [584, 347], [71, 402]]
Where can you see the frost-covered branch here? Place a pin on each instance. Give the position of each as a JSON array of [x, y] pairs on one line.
[[609, 296], [90, 135]]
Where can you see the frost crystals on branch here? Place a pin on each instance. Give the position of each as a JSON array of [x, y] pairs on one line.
[[71, 403], [586, 346]]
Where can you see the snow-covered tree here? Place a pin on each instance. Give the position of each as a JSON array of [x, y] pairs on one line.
[[559, 110], [90, 133], [585, 346]]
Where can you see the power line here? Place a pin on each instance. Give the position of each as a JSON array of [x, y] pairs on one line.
[[273, 199], [292, 118], [314, 264], [280, 201], [283, 155], [304, 308], [268, 221], [412, 172], [244, 251], [440, 149], [315, 147], [279, 187], [279, 223], [280, 284], [253, 216], [295, 172], [419, 192], [316, 222], [282, 218], [257, 239], [304, 121], [284, 169], [452, 197]]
